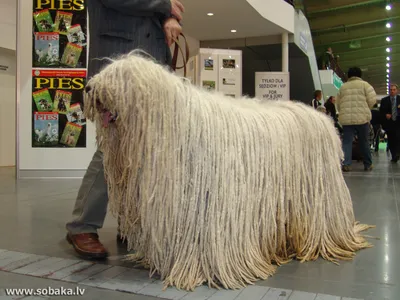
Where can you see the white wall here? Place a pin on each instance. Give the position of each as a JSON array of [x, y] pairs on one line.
[[7, 108], [8, 21]]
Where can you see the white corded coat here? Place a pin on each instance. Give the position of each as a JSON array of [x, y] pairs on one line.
[[214, 189], [354, 102]]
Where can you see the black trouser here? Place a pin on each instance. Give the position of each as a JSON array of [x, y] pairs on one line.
[[377, 136], [393, 134]]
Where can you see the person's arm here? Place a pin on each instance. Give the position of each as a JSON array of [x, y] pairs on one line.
[[371, 96], [133, 7]]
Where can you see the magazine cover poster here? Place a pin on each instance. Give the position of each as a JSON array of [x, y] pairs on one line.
[[62, 102], [66, 88], [43, 21], [43, 100], [67, 18], [76, 35], [45, 129], [47, 49], [63, 22], [71, 134], [75, 115], [71, 55]]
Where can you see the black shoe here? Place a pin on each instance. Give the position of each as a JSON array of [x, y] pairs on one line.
[[368, 168], [346, 168]]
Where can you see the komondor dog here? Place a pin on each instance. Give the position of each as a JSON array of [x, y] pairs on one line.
[[216, 190]]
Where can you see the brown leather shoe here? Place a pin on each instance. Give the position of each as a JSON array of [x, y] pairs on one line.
[[87, 245]]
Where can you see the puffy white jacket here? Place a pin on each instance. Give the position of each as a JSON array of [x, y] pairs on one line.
[[354, 102]]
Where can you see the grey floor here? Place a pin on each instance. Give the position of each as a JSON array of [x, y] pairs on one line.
[[33, 215]]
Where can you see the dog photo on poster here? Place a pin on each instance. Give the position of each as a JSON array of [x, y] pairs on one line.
[[59, 34], [57, 108]]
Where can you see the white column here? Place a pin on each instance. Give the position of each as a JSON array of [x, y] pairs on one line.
[[285, 52]]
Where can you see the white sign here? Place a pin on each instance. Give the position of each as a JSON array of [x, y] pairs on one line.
[[272, 86]]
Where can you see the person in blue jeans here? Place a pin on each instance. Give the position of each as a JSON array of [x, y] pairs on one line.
[[354, 102]]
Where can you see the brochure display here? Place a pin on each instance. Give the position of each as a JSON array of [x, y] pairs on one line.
[[221, 70], [272, 86], [59, 63]]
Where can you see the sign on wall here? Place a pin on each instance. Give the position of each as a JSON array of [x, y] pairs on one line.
[[59, 62], [272, 86]]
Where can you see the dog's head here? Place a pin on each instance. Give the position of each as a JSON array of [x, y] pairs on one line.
[[122, 87]]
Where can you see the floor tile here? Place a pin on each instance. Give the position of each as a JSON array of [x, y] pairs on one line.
[[253, 293], [277, 294]]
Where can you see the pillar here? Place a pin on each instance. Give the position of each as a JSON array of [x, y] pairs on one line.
[[285, 52]]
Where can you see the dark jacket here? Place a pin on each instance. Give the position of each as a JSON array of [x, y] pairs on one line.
[[331, 110], [119, 26], [315, 103], [376, 117], [386, 108]]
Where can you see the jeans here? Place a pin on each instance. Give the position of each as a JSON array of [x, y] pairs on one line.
[[362, 132]]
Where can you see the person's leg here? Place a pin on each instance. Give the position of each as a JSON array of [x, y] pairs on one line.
[[363, 135], [89, 211], [377, 133], [397, 135], [348, 135], [391, 136]]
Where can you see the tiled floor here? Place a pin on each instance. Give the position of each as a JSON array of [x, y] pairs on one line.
[[34, 212]]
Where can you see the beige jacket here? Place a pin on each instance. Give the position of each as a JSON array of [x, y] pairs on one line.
[[354, 102]]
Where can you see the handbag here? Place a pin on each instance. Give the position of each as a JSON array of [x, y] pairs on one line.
[[185, 55]]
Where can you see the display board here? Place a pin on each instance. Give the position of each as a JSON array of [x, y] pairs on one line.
[[272, 86], [221, 70], [59, 62]]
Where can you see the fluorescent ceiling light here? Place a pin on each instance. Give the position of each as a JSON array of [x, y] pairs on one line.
[[388, 7], [388, 50], [388, 71], [388, 39], [388, 58], [388, 65], [387, 80], [233, 30], [388, 25], [387, 75], [210, 14]]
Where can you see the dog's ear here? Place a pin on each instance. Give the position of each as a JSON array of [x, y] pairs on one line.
[[88, 89]]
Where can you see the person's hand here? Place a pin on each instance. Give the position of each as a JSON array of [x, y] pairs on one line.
[[177, 9], [388, 116], [172, 30]]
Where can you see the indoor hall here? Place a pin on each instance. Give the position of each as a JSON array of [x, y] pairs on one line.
[[291, 55]]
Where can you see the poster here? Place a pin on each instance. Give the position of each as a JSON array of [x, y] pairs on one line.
[[59, 34], [59, 65], [272, 86], [57, 102]]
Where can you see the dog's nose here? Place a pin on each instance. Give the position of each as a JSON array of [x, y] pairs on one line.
[[88, 89]]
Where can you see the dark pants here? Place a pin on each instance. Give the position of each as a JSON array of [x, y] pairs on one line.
[[377, 135], [393, 134], [362, 132]]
